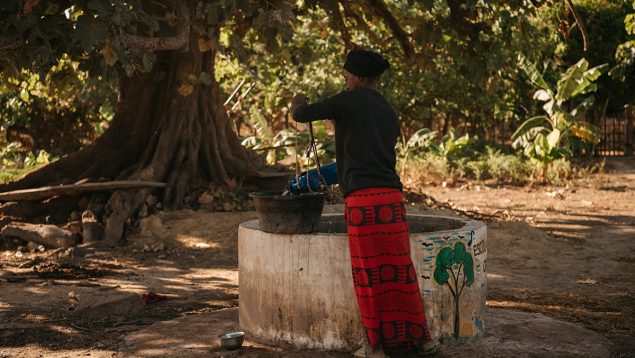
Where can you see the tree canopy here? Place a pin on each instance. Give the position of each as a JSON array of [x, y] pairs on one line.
[[166, 68]]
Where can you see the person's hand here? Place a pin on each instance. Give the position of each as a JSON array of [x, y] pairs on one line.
[[300, 99]]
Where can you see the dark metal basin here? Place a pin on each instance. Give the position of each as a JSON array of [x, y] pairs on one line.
[[288, 214]]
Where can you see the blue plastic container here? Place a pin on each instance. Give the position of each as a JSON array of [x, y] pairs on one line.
[[312, 179]]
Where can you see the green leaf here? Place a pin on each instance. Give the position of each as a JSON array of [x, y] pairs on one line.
[[541, 145], [147, 60], [578, 80], [532, 72], [572, 80], [443, 262], [550, 107], [459, 253], [259, 122], [89, 32], [205, 79], [629, 22], [562, 120], [533, 122], [421, 139], [583, 107], [553, 138], [542, 95]]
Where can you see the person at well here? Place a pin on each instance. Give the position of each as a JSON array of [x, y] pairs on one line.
[[385, 281]]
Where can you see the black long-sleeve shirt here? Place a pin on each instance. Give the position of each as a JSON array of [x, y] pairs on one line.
[[366, 132]]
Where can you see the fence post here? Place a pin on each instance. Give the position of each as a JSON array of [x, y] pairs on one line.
[[628, 145]]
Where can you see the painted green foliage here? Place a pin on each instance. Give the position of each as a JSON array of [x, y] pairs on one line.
[[450, 262]]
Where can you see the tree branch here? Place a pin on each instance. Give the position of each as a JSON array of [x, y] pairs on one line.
[[341, 25], [75, 189], [359, 20], [179, 42], [459, 19], [455, 277], [382, 10], [578, 20], [451, 290], [456, 281], [463, 285]]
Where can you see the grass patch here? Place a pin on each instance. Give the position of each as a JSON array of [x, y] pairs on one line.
[[493, 165], [9, 175]]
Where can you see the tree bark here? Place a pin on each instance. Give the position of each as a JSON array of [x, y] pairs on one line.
[[73, 189], [628, 146], [160, 133], [457, 316], [47, 235]]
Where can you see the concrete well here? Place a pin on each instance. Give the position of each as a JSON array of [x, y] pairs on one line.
[[299, 288]]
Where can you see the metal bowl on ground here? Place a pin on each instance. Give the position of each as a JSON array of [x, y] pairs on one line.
[[288, 214], [232, 340]]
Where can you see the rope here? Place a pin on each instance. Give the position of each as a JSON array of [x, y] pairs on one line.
[[313, 146], [297, 170], [330, 197]]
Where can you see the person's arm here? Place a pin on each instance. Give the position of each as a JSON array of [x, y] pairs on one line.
[[328, 108]]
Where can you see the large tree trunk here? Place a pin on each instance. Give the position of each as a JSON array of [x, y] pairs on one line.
[[157, 134]]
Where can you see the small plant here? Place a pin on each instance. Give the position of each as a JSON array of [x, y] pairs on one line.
[[15, 160], [453, 147], [546, 138], [421, 140]]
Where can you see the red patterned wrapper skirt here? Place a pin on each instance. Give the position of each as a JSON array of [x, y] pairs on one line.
[[388, 295]]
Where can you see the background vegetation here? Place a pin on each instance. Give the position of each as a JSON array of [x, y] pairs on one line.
[[461, 96]]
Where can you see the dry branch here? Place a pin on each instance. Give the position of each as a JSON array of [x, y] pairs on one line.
[[179, 42], [361, 23], [47, 235], [75, 189], [381, 9], [578, 20], [338, 21]]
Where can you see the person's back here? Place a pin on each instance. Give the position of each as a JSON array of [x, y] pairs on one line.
[[366, 131], [385, 281]]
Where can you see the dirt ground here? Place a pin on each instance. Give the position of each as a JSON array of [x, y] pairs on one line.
[[559, 255]]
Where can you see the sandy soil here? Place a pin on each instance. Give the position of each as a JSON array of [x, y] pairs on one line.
[[567, 253]]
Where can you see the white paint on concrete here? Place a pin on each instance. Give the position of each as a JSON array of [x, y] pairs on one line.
[[299, 288]]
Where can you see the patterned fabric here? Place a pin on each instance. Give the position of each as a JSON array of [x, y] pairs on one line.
[[385, 281]]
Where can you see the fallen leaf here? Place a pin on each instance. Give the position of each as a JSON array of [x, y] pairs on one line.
[[110, 56], [29, 5], [204, 45], [588, 281], [185, 90]]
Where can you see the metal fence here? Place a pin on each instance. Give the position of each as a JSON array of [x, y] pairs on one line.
[[617, 136]]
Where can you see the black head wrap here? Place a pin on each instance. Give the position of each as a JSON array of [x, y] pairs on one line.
[[364, 63]]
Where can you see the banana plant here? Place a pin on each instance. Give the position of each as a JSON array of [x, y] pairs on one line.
[[286, 142], [452, 146], [546, 138], [421, 140], [264, 137]]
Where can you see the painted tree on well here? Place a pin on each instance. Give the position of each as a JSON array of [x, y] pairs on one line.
[[450, 262]]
